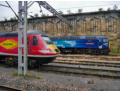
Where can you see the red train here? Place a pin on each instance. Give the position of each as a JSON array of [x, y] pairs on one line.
[[40, 48]]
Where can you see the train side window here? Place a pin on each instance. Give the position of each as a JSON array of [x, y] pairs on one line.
[[35, 41]]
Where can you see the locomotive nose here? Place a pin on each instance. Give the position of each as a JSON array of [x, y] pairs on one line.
[[54, 48]]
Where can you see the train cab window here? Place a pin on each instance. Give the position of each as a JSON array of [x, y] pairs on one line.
[[47, 40], [105, 40], [35, 41]]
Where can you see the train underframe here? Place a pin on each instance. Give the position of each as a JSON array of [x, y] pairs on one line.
[[32, 61], [85, 51]]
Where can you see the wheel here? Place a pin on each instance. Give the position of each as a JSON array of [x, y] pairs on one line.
[[9, 61], [105, 52], [31, 63]]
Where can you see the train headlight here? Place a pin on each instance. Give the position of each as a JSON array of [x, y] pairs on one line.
[[100, 40], [45, 51], [100, 47], [105, 40]]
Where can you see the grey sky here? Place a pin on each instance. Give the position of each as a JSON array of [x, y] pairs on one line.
[[87, 6]]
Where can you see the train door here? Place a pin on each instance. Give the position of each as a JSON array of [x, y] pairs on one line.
[[34, 44], [29, 44]]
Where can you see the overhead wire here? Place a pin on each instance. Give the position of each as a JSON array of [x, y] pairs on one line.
[[30, 4], [4, 5], [13, 10]]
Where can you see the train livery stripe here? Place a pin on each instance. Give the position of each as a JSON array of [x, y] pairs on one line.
[[28, 55], [89, 43]]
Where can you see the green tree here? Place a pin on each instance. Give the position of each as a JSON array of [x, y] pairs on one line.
[[13, 18], [43, 15], [5, 19], [115, 7], [60, 12], [100, 9], [79, 10], [69, 12], [36, 15], [109, 9]]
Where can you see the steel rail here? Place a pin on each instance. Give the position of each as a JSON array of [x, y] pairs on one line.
[[101, 58], [92, 56], [87, 60], [7, 88], [90, 63], [88, 55]]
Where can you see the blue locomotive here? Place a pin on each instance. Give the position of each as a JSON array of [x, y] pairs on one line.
[[89, 44]]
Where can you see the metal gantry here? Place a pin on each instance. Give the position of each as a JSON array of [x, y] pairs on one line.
[[54, 12], [20, 28], [22, 25], [25, 38]]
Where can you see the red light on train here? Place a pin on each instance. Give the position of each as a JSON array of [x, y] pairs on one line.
[[89, 43]]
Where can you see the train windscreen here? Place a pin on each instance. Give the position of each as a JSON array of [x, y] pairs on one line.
[[47, 40]]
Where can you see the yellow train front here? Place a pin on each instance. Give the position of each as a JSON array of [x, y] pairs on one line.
[[51, 45]]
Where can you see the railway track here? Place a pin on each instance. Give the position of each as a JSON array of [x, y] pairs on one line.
[[90, 55], [7, 88], [92, 62], [79, 66], [99, 57], [82, 70]]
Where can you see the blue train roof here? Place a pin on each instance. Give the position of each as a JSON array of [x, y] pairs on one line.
[[78, 37]]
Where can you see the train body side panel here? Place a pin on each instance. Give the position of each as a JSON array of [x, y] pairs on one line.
[[76, 43], [81, 44], [9, 45]]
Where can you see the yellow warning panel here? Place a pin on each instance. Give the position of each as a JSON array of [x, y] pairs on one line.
[[53, 47], [9, 44]]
